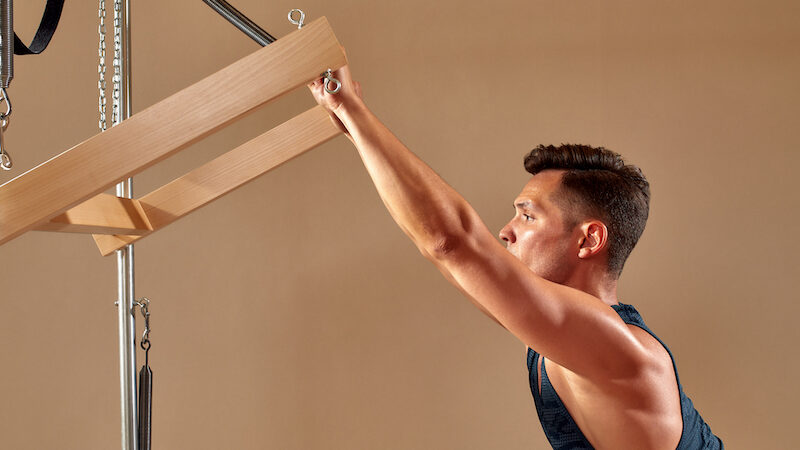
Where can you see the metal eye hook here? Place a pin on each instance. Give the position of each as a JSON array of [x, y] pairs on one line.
[[328, 80], [298, 22]]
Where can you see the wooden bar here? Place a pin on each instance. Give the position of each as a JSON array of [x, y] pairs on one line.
[[102, 214], [170, 125], [228, 172]]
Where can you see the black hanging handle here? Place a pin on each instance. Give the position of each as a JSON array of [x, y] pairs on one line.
[[145, 405], [47, 27]]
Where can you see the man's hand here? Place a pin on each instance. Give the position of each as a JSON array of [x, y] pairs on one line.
[[348, 96]]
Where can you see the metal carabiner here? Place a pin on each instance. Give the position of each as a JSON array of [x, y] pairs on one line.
[[144, 307], [5, 158], [298, 22], [4, 98], [328, 80]]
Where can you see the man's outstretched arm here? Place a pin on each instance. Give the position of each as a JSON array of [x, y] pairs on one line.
[[568, 326]]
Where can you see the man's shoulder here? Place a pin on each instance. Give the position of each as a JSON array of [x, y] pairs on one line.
[[649, 403]]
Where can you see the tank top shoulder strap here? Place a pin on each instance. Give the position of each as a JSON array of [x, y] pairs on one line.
[[629, 315]]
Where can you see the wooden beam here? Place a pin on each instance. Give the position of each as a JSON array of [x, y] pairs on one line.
[[228, 172], [102, 214], [170, 125]]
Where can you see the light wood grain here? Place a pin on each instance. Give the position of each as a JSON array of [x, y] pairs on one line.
[[228, 172], [96, 164], [101, 214]]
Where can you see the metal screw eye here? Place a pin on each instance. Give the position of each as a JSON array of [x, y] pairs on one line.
[[298, 22], [328, 80]]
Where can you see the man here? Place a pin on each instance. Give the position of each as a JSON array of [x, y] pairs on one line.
[[599, 377]]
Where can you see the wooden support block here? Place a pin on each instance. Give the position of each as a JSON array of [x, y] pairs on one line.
[[228, 172], [102, 214], [170, 125]]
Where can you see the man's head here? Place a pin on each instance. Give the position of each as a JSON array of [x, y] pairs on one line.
[[582, 204]]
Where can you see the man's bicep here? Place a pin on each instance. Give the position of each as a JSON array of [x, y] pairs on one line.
[[446, 273]]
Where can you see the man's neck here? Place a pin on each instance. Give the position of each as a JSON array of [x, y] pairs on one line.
[[597, 283]]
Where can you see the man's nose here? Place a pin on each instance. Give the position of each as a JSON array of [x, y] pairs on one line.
[[507, 234]]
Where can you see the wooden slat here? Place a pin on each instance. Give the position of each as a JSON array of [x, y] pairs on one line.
[[102, 214], [228, 172], [174, 123]]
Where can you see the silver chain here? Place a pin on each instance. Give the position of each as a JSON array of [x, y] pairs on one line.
[[115, 95], [116, 63], [101, 67]]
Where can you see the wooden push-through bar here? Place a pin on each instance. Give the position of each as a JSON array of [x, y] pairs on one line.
[[227, 172], [41, 197]]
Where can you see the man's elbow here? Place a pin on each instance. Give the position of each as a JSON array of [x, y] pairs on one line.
[[449, 242], [443, 246]]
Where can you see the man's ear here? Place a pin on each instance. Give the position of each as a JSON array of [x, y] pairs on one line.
[[594, 238]]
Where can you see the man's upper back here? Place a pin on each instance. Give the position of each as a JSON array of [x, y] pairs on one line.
[[650, 412]]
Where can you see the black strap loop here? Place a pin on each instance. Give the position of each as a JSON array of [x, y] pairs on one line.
[[52, 13]]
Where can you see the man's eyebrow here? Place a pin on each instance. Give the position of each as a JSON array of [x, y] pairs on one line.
[[525, 204]]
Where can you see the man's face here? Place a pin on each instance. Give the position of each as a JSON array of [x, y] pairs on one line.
[[537, 235]]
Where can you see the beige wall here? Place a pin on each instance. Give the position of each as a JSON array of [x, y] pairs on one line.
[[293, 314]]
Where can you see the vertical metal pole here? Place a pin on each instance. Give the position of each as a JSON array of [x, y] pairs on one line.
[[125, 275]]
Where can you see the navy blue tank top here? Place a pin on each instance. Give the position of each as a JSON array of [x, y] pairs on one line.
[[564, 434]]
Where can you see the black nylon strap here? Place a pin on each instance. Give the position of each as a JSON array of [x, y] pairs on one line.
[[52, 13]]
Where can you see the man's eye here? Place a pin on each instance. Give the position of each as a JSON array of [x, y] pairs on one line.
[[527, 218]]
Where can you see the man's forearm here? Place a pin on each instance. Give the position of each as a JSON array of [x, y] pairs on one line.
[[428, 210]]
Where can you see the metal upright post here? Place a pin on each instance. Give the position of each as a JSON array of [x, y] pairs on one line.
[[125, 269]]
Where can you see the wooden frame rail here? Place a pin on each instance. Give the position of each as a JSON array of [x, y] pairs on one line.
[[41, 197]]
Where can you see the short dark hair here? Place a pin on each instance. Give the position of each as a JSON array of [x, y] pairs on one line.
[[597, 183]]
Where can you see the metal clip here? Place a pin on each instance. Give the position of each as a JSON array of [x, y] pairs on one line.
[[143, 305], [5, 158], [298, 22], [328, 80]]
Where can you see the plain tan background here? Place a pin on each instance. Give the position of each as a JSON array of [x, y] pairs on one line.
[[293, 314]]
